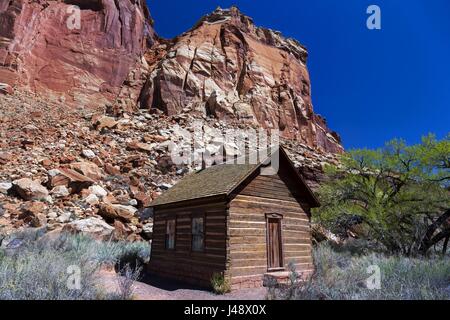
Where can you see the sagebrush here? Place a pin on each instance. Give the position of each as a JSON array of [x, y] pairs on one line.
[[341, 275], [40, 268]]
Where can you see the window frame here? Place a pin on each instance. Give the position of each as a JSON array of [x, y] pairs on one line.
[[174, 234], [194, 216]]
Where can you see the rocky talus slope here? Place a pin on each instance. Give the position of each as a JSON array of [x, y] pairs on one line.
[[96, 173]]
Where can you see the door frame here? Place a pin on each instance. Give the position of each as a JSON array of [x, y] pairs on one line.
[[278, 217]]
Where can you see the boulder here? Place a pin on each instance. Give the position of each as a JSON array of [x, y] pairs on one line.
[[121, 231], [139, 146], [105, 122], [142, 199], [112, 170], [33, 214], [117, 211], [87, 153], [98, 191], [5, 187], [88, 169], [5, 157], [71, 179], [165, 186], [155, 138], [53, 173], [147, 231], [92, 226], [60, 192], [92, 200], [52, 215], [64, 217], [134, 238], [30, 129], [29, 189], [165, 163]]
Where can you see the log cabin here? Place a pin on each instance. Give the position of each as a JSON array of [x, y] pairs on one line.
[[233, 220]]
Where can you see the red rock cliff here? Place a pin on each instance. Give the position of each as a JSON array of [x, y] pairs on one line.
[[224, 66], [230, 68], [42, 48]]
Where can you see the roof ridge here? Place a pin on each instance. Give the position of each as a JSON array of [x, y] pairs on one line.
[[219, 179]]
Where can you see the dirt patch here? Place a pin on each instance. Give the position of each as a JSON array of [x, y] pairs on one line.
[[155, 288]]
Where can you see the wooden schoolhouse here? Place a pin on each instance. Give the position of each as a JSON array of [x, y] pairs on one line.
[[234, 220]]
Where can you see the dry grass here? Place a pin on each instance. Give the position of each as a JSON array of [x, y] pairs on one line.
[[39, 269], [341, 275]]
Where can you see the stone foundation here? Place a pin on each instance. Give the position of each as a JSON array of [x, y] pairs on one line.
[[247, 282]]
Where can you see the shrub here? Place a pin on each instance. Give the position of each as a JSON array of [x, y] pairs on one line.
[[287, 291], [339, 275], [40, 267], [126, 282], [220, 283]]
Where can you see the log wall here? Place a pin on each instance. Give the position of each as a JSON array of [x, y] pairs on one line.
[[247, 229], [182, 263]]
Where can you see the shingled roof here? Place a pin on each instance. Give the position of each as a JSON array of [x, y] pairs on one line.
[[214, 181]]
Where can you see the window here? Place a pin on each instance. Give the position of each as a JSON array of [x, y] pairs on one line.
[[170, 234], [198, 234]]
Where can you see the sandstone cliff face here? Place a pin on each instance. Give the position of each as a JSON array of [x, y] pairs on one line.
[[224, 66], [229, 68], [40, 51]]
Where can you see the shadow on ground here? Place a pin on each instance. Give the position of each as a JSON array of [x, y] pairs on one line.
[[169, 284]]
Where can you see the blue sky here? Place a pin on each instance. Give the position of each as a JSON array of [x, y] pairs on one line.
[[371, 85]]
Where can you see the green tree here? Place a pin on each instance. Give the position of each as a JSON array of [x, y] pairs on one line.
[[399, 194], [434, 157]]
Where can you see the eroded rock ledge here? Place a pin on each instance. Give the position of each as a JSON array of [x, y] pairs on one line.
[[224, 66], [84, 66], [227, 67]]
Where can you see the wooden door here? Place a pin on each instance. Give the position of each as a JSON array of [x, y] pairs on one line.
[[274, 244]]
